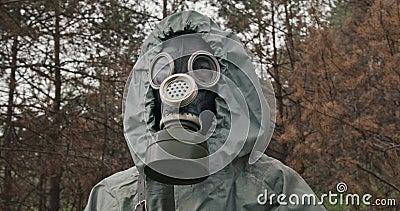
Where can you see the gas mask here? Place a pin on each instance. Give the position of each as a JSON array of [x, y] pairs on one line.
[[182, 77]]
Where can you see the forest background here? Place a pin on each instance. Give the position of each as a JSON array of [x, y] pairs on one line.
[[64, 64]]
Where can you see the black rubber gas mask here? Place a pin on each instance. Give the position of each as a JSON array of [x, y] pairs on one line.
[[182, 77]]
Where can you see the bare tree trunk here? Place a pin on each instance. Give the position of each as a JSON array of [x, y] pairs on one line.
[[103, 100], [277, 77], [55, 178], [290, 48], [42, 188], [7, 189], [164, 12], [275, 63]]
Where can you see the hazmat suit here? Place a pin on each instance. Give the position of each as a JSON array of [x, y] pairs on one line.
[[197, 123]]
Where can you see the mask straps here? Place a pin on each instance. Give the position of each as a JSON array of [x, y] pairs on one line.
[[141, 191]]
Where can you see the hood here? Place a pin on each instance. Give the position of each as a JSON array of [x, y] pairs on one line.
[[245, 117]]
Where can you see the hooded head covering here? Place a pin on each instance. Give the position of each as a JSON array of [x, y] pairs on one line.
[[244, 120]]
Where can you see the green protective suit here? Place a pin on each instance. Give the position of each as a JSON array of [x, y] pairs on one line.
[[241, 177]]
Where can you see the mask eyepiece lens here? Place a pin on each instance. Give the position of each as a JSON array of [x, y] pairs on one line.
[[204, 68], [161, 67]]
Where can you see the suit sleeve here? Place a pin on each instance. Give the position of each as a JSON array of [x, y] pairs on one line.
[[297, 194]]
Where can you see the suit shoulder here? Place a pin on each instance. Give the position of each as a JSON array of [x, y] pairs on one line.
[[121, 183]]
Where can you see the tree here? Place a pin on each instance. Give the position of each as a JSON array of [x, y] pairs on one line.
[[273, 31], [347, 87], [72, 60], [332, 65]]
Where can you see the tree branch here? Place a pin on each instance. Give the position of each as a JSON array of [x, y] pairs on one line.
[[379, 178]]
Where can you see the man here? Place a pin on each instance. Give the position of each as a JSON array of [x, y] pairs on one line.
[[196, 123]]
